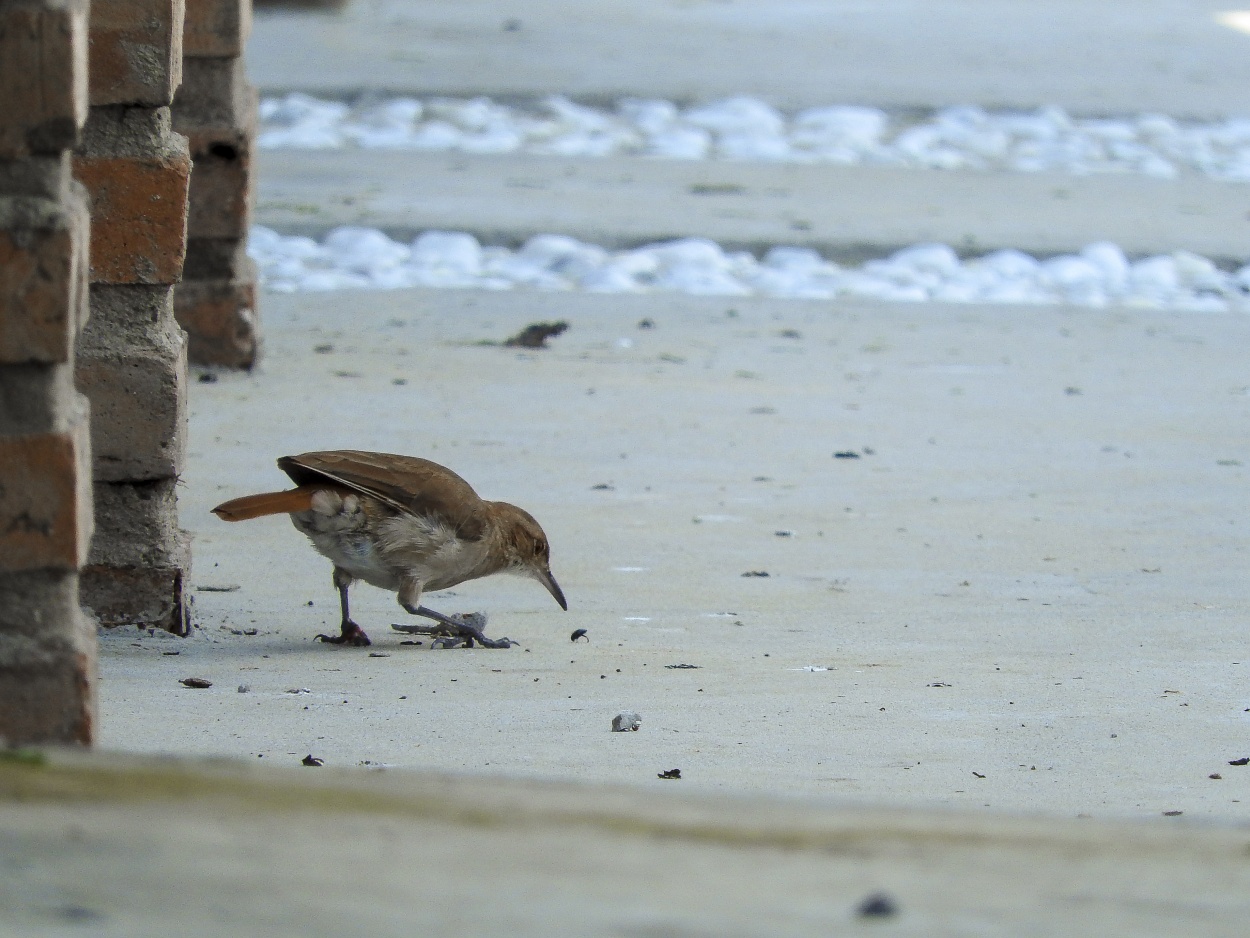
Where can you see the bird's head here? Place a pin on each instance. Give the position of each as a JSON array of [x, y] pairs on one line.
[[525, 547]]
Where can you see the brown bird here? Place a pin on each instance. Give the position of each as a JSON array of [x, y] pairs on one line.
[[405, 524]]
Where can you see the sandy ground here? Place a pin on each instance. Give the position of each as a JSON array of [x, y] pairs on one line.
[[1027, 591], [1114, 56], [848, 213]]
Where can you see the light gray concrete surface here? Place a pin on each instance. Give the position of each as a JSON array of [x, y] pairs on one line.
[[139, 848], [1030, 595], [845, 212], [1113, 56]]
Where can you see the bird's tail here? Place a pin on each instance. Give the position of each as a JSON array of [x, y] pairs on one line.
[[267, 503]]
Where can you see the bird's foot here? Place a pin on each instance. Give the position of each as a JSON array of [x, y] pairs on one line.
[[352, 634], [463, 629]]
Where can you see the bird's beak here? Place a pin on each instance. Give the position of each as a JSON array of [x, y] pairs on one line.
[[546, 579]]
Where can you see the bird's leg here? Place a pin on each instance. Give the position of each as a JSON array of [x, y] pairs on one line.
[[451, 631], [349, 632]]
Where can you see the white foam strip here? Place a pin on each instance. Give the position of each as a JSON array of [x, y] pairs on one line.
[[1100, 275], [744, 128]]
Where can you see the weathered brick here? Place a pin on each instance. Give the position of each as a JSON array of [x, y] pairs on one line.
[[217, 259], [37, 399], [132, 365], [45, 177], [215, 97], [220, 319], [45, 502], [137, 173], [136, 51], [220, 194], [47, 660], [43, 276], [216, 27], [42, 107], [149, 597]]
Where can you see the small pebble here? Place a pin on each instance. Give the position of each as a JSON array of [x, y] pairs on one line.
[[626, 721], [877, 905], [245, 688]]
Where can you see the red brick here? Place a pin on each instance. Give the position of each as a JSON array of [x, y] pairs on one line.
[[45, 502], [220, 320], [43, 75], [216, 27], [43, 277], [137, 173], [136, 51]]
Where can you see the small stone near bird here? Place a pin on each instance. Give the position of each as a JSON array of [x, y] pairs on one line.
[[671, 773], [877, 905], [579, 633], [310, 759], [197, 682], [626, 721], [536, 334]]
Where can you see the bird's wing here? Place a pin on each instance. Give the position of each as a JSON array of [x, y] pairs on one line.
[[408, 484]]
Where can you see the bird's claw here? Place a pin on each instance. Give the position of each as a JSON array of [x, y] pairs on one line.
[[352, 634], [461, 630]]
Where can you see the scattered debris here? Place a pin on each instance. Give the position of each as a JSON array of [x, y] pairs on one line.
[[218, 588], [169, 653], [757, 573], [603, 487], [536, 334], [579, 633], [846, 454], [783, 533], [1215, 775], [790, 334], [683, 667], [878, 905], [938, 684], [245, 688], [627, 721], [298, 690], [197, 682], [324, 349], [646, 324], [1173, 813], [379, 654], [310, 759], [809, 667], [244, 631], [208, 377], [671, 773], [978, 774]]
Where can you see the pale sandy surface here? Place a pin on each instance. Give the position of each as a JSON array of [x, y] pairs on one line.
[[135, 848], [1037, 575], [1108, 57], [845, 212]]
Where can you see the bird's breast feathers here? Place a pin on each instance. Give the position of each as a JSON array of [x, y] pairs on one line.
[[374, 543]]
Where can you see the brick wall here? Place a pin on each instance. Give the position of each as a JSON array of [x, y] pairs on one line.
[[216, 110], [132, 357], [47, 646]]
